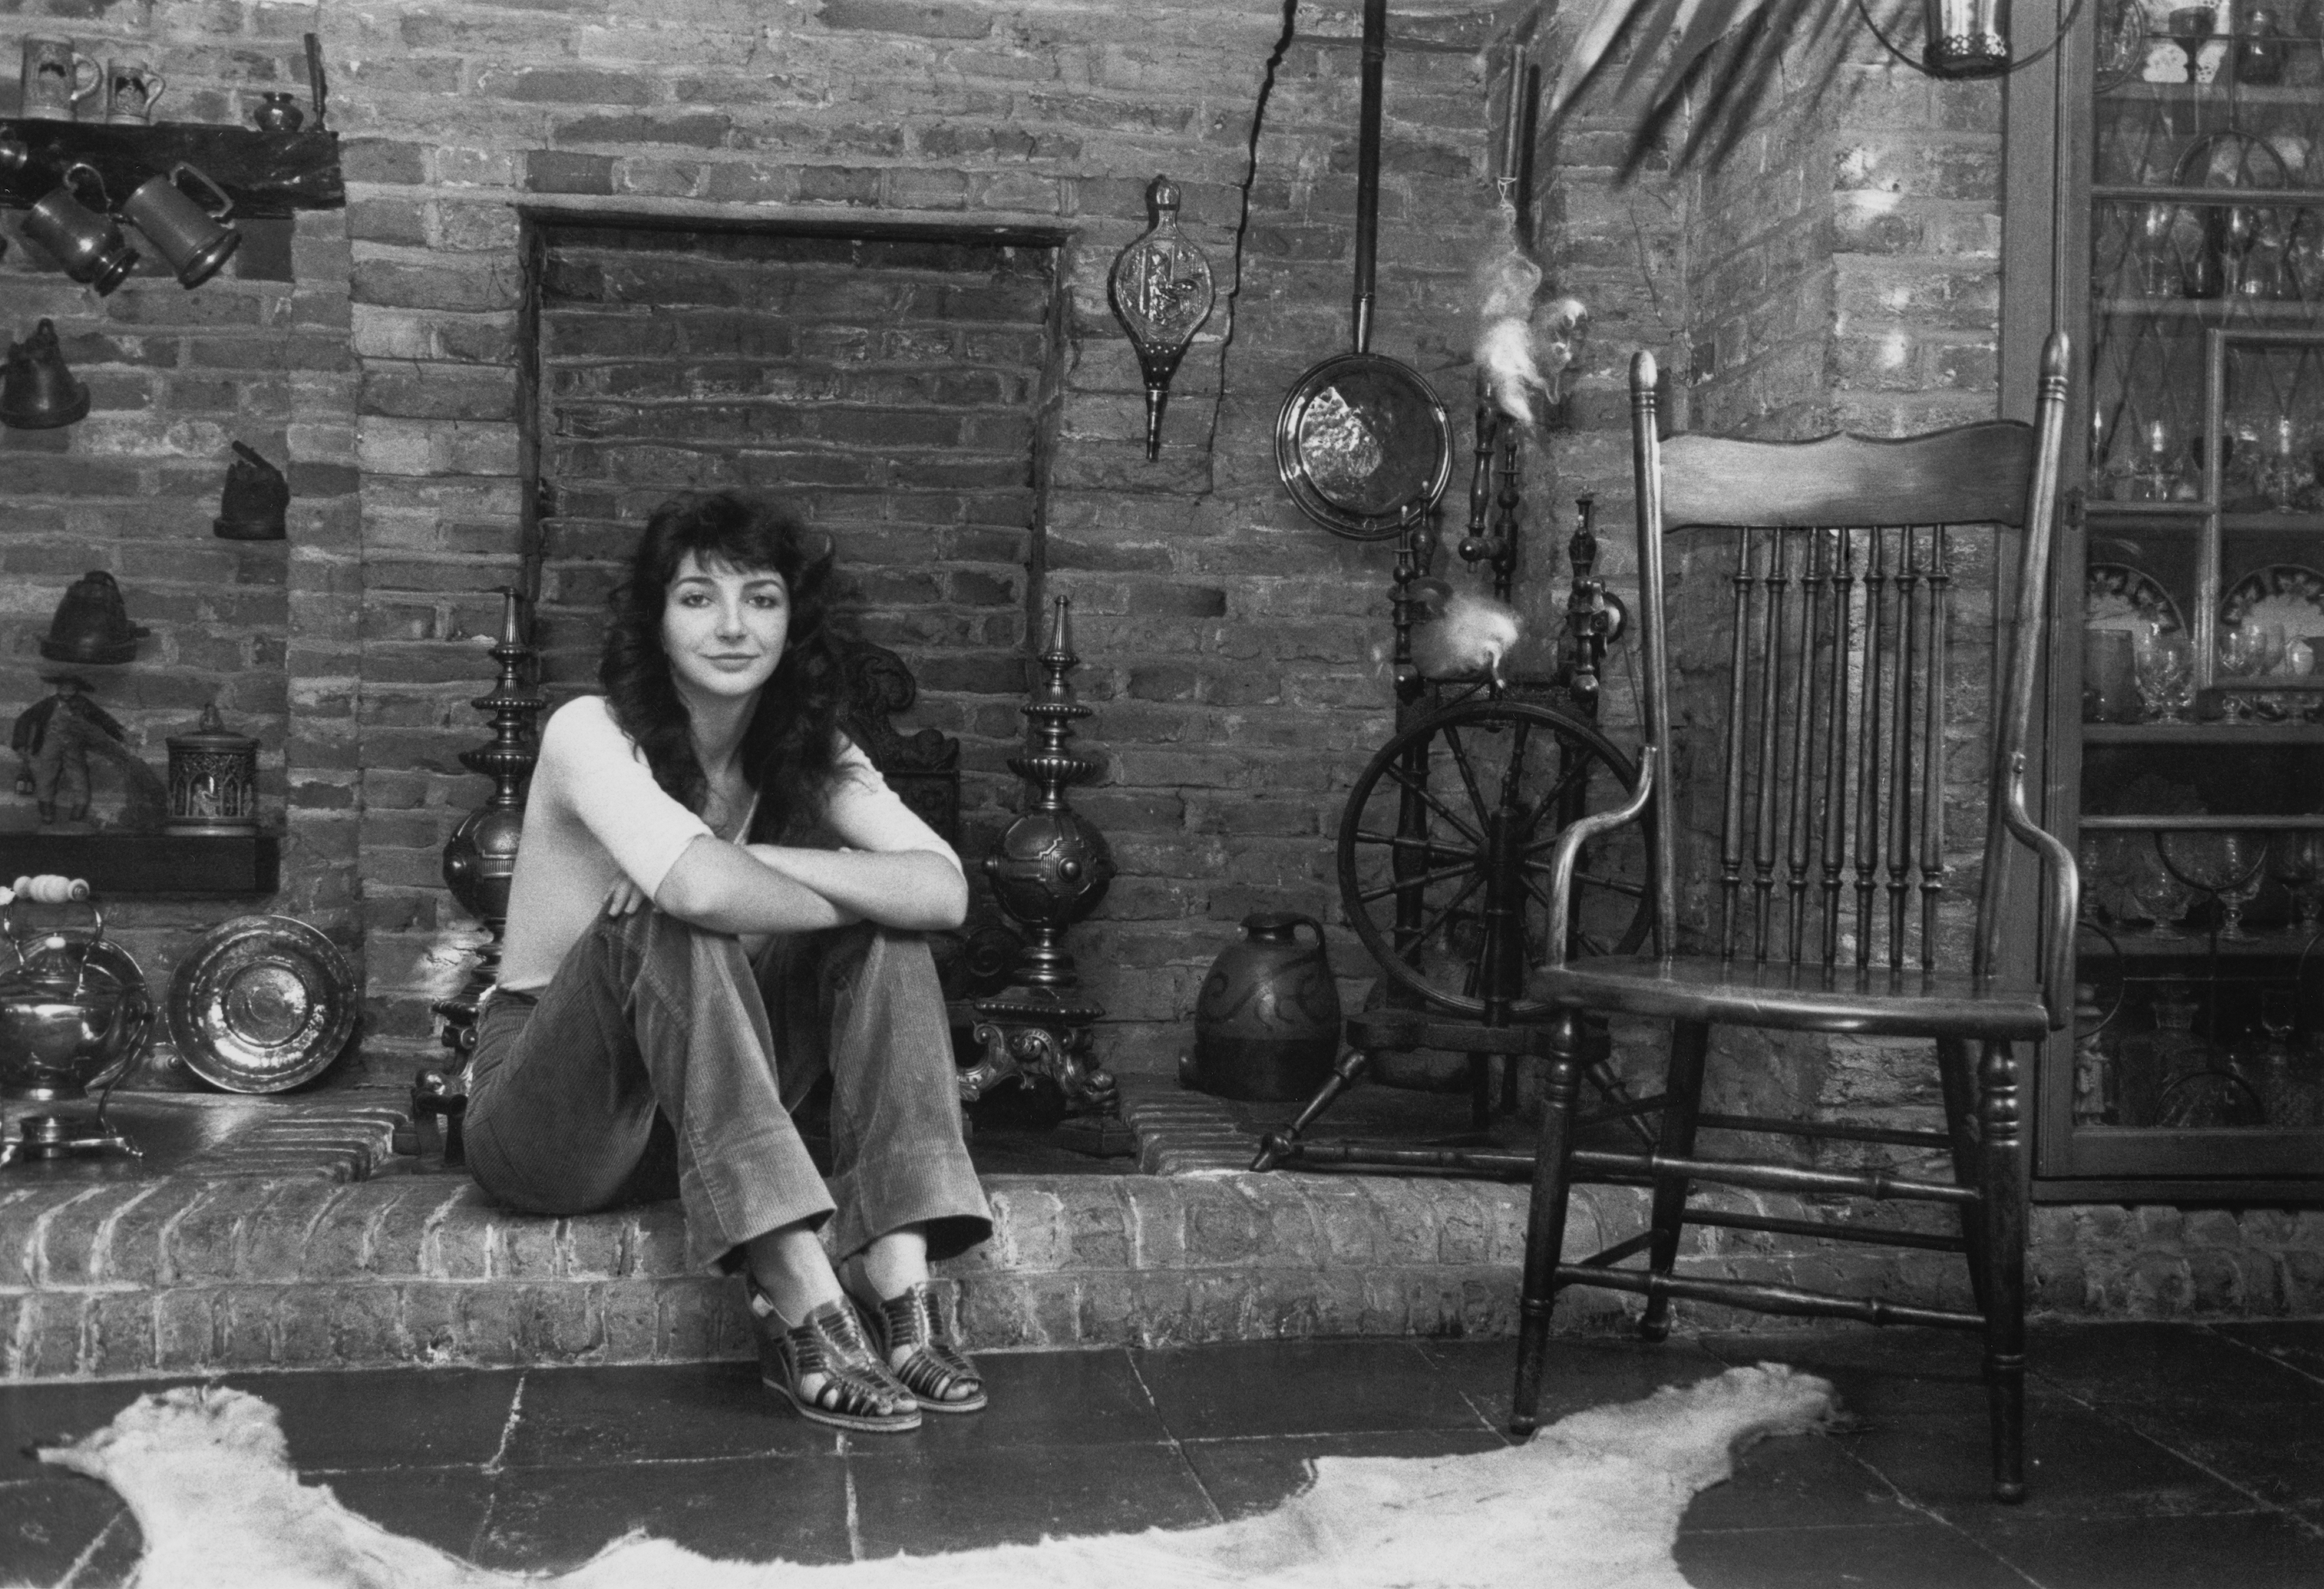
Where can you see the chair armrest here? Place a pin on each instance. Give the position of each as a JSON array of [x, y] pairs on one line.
[[1569, 850], [2063, 894]]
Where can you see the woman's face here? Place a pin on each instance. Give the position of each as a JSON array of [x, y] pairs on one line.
[[724, 627]]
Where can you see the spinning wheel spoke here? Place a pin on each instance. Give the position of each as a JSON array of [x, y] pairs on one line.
[[1421, 881], [1423, 805], [1430, 852], [1553, 800], [1629, 887], [1428, 928], [1468, 779], [1428, 798]]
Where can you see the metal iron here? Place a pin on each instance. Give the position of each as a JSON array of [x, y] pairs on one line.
[[37, 391]]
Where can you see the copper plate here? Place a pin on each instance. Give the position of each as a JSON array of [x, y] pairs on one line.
[[262, 1004]]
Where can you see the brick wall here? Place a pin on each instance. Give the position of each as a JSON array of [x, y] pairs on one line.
[[258, 355], [1235, 654]]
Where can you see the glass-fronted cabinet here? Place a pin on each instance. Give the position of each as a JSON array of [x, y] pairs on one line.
[[2190, 152]]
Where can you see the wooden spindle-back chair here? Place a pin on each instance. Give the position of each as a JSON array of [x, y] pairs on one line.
[[1820, 906]]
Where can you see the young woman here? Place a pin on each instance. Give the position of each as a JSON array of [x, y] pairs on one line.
[[717, 900]]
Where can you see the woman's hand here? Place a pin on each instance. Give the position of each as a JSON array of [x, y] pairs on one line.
[[624, 897]]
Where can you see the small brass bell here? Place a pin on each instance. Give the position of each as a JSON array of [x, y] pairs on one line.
[[255, 497], [92, 625], [37, 391]]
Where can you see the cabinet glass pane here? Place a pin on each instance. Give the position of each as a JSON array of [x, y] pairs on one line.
[[2203, 649]]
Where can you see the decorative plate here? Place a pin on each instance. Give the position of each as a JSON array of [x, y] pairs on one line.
[[2282, 593], [2117, 596], [262, 1004]]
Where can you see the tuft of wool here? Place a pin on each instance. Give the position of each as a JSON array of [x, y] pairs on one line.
[[1459, 634], [1521, 349]]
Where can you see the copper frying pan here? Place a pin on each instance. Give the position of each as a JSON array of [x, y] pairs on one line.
[[1363, 444]]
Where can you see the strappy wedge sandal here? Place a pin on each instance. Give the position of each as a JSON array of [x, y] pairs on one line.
[[939, 1375], [858, 1391]]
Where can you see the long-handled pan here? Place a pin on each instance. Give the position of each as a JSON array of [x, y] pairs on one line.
[[1363, 444]]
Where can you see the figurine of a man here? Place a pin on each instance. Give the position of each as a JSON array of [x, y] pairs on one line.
[[50, 740]]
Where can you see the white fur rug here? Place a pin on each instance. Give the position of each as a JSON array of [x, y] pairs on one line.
[[1592, 1502]]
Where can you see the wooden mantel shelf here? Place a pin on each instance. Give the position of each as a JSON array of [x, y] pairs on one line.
[[264, 173], [146, 864]]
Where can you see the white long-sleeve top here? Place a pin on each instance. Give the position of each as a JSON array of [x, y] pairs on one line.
[[594, 813]]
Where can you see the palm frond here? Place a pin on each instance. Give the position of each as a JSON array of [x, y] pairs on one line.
[[1699, 24]]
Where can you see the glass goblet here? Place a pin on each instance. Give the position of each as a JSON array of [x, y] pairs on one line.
[[2163, 897], [2225, 864], [2280, 474], [2162, 671], [2191, 26], [2156, 257], [2158, 469]]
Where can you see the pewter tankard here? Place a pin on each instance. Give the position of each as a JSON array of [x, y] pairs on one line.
[[189, 236]]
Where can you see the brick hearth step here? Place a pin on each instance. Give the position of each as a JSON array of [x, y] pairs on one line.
[[186, 1272]]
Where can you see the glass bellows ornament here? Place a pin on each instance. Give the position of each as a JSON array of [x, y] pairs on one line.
[[1162, 290]]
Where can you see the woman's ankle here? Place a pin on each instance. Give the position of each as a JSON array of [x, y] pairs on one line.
[[888, 1266], [789, 1269]]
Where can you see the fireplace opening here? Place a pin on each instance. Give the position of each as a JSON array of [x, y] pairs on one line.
[[893, 386]]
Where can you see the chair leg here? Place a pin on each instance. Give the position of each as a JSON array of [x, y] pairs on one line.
[[1545, 1220], [1683, 1101], [1957, 1070], [2003, 1205]]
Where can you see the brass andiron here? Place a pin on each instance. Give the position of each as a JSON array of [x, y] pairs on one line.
[[1051, 870], [479, 863]]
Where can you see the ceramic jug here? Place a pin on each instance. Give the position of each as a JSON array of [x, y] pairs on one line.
[[1266, 1021]]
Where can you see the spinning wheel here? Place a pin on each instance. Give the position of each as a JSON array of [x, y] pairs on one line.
[[1443, 854]]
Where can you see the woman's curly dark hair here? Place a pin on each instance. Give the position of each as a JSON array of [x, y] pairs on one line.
[[791, 750]]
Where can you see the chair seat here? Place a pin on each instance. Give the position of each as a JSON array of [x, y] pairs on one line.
[[1877, 1003]]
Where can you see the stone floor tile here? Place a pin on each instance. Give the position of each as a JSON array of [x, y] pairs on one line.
[[1885, 1372], [2297, 1344], [2234, 1550], [1301, 1388], [757, 1509], [1243, 1476], [2078, 1464], [1926, 1556], [40, 1415], [589, 1417], [2274, 1456], [1050, 1399], [442, 1506], [389, 1417], [923, 1500], [1581, 1372], [48, 1524], [1811, 1481], [2158, 1362]]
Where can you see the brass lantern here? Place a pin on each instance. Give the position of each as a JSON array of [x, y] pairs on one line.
[[213, 779]]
